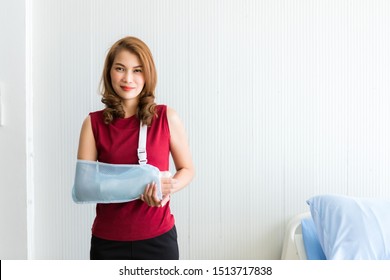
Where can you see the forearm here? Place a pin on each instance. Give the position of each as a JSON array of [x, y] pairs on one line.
[[182, 178]]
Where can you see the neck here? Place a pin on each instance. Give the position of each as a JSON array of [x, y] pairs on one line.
[[129, 107]]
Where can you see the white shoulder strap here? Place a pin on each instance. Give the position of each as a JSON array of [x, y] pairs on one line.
[[142, 157]]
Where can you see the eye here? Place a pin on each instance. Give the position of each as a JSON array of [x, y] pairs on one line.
[[138, 70], [119, 69]]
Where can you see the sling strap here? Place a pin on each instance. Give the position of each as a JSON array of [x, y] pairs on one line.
[[141, 151]]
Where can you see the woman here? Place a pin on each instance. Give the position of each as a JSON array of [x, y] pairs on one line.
[[144, 228]]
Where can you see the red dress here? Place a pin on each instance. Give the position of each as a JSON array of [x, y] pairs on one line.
[[117, 143]]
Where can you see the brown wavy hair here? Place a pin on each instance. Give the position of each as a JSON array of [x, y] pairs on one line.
[[146, 105]]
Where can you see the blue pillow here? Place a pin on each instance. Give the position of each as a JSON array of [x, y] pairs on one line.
[[313, 247], [351, 228]]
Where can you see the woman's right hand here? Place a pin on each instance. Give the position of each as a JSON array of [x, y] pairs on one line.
[[150, 195]]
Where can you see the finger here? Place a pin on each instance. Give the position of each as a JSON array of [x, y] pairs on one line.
[[165, 180], [169, 181], [149, 191], [146, 195], [166, 189], [165, 200], [154, 197], [166, 174], [150, 195], [174, 181]]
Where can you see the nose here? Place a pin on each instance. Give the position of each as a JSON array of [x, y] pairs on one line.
[[128, 77]]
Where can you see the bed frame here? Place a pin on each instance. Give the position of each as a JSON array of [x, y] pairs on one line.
[[293, 246]]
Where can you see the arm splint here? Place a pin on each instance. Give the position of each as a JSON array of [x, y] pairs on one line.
[[97, 182]]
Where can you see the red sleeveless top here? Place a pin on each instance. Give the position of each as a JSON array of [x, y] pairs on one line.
[[117, 143]]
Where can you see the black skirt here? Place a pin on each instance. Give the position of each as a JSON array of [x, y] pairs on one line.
[[163, 247]]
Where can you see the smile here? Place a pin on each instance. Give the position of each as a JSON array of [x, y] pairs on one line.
[[126, 88]]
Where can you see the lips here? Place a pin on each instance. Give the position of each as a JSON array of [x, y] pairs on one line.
[[126, 88]]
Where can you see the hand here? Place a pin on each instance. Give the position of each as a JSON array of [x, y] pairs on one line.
[[150, 195], [167, 183], [167, 186]]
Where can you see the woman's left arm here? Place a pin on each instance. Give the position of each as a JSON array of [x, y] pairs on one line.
[[181, 154]]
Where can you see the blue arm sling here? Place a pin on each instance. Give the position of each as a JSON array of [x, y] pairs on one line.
[[97, 182]]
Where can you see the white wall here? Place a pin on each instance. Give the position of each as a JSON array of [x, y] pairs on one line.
[[281, 99], [13, 206]]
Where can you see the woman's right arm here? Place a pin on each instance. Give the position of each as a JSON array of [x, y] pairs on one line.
[[87, 145]]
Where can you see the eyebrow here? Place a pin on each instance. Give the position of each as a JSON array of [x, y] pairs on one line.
[[120, 64]]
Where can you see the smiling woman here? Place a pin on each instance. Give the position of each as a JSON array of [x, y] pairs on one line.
[[127, 78], [143, 228], [129, 58]]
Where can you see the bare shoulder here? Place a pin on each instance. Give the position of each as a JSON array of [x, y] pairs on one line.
[[87, 145], [173, 117], [86, 127], [176, 128], [171, 113], [87, 121]]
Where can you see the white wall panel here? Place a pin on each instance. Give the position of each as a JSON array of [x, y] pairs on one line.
[[281, 100], [13, 88]]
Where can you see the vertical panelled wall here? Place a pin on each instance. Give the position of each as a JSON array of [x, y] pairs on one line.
[[13, 92], [281, 100]]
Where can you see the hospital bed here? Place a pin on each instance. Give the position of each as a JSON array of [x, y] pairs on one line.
[[339, 227], [293, 246]]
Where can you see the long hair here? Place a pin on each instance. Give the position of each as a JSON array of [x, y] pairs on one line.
[[113, 104]]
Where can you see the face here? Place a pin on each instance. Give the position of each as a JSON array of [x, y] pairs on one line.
[[126, 75]]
